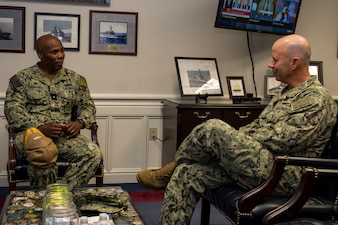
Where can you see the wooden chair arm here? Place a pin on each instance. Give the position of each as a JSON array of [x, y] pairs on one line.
[[11, 150], [312, 162], [93, 129], [289, 209], [251, 198]]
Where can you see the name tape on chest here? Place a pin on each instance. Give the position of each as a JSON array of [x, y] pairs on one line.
[[301, 103]]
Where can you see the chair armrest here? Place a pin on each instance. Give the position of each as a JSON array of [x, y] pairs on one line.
[[11, 150], [312, 162], [289, 209], [251, 198], [93, 129]]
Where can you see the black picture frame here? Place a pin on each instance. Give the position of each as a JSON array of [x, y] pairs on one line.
[[66, 27], [316, 69], [76, 2], [236, 86], [198, 76], [12, 26], [113, 33]]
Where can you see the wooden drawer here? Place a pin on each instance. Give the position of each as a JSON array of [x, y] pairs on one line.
[[189, 118], [238, 117]]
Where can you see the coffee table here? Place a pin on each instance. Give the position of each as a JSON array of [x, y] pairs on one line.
[[12, 211]]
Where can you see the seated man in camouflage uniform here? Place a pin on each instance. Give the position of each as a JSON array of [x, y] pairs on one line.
[[297, 122], [57, 101]]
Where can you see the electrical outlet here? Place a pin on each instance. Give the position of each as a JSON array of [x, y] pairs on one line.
[[152, 133]]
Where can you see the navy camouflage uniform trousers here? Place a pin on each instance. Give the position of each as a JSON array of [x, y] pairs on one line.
[[32, 100], [296, 122]]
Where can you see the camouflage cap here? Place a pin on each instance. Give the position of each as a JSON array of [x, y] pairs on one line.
[[40, 150]]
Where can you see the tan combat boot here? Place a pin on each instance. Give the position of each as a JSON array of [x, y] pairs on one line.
[[156, 179]]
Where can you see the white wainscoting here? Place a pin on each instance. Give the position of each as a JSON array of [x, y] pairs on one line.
[[123, 137]]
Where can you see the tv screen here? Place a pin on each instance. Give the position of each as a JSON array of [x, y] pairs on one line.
[[268, 16]]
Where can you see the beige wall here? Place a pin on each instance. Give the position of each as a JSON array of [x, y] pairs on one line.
[[176, 28], [127, 89]]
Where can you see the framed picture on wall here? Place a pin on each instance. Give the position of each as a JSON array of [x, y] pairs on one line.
[[66, 27], [113, 33], [12, 29], [198, 76], [316, 69], [236, 86]]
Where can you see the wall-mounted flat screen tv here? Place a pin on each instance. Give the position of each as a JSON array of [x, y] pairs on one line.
[[267, 16]]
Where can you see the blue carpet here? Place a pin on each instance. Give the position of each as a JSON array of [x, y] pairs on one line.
[[150, 212]]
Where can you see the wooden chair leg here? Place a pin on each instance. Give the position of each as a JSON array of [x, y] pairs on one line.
[[99, 181], [11, 187]]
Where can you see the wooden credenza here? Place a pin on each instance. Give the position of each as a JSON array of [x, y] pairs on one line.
[[180, 118]]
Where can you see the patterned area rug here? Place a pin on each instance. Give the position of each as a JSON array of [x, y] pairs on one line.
[[146, 196]]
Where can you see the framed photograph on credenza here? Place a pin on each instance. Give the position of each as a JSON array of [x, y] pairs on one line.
[[273, 86], [316, 69], [236, 86], [198, 76]]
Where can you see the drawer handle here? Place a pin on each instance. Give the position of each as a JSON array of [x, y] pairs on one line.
[[243, 116], [202, 117]]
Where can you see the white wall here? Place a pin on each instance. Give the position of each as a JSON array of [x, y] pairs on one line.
[[176, 28]]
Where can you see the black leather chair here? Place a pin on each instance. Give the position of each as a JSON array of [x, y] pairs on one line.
[[315, 198], [17, 169], [315, 201]]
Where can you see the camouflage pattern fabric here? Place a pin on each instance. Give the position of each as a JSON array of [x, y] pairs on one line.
[[296, 122], [32, 100], [94, 201]]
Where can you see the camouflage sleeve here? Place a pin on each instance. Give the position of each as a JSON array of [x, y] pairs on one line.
[[292, 127], [86, 111], [15, 105]]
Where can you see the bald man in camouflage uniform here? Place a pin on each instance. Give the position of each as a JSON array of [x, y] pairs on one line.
[[47, 96], [297, 122]]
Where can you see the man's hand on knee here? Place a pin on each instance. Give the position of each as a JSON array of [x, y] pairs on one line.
[[71, 129], [52, 130]]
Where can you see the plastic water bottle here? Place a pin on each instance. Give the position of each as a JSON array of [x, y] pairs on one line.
[[58, 206], [102, 219], [84, 220]]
